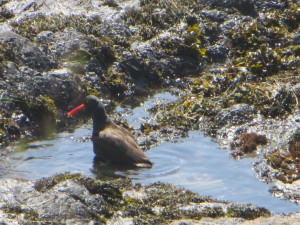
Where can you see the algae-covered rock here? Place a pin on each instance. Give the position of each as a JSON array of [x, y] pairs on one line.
[[283, 163], [235, 115], [42, 98], [68, 198], [23, 52]]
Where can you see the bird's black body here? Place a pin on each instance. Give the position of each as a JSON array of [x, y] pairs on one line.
[[112, 142]]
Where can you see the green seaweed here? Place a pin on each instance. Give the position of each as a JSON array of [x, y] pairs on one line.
[[32, 25], [29, 214], [162, 202], [44, 184], [247, 212]]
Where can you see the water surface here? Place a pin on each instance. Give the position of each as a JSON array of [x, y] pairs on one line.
[[195, 163]]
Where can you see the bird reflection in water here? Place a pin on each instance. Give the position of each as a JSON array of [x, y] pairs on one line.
[[111, 170]]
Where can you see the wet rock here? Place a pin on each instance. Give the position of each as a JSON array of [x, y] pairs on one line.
[[22, 52], [296, 38], [276, 219], [140, 71], [76, 51], [246, 7], [217, 53], [287, 191], [235, 115], [60, 85], [208, 221], [283, 164], [68, 198], [214, 15], [5, 13], [273, 4], [294, 144], [42, 98], [283, 101]]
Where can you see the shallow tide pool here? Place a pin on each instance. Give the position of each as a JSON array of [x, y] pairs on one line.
[[195, 163]]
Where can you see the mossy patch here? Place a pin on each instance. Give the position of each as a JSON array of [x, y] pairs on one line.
[[41, 110], [38, 108], [55, 23], [116, 86], [9, 130], [14, 210], [247, 212], [45, 184], [80, 56], [147, 128], [110, 190], [167, 201]]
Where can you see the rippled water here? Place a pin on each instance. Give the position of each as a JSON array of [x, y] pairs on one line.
[[195, 163]]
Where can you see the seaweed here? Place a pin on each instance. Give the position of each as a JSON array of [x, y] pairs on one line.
[[44, 184]]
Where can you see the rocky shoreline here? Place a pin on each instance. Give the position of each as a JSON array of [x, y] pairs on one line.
[[75, 199], [234, 66]]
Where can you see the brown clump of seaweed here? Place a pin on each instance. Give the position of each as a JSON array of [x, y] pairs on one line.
[[247, 143], [250, 141]]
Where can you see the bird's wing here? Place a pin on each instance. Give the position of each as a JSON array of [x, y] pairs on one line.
[[112, 145], [129, 136]]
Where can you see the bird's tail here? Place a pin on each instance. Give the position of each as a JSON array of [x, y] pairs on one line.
[[144, 164]]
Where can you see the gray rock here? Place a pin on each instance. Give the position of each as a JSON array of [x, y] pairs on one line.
[[23, 52], [235, 115], [73, 198]]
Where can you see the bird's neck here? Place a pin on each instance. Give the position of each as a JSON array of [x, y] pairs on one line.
[[100, 120]]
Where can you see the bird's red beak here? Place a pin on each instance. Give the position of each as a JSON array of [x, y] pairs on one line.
[[76, 110]]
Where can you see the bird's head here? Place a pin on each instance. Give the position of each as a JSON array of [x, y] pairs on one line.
[[91, 105]]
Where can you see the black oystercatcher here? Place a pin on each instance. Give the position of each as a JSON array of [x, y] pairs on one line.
[[111, 142]]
